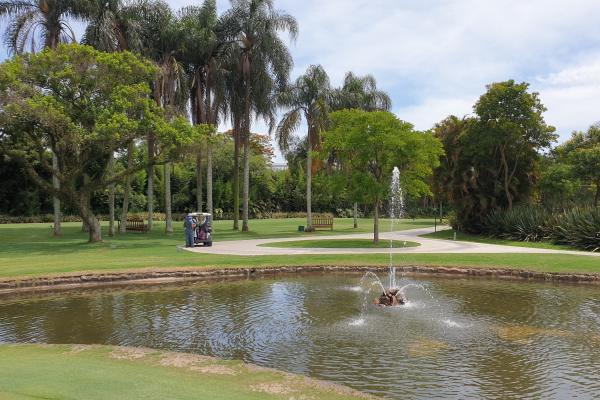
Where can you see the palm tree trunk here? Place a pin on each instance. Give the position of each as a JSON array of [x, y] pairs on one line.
[[236, 178], [56, 200], [111, 197], [309, 225], [199, 182], [355, 215], [246, 187], [597, 198], [127, 191], [376, 222], [150, 194], [209, 188], [168, 216]]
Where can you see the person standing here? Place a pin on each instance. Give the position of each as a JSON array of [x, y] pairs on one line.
[[189, 226]]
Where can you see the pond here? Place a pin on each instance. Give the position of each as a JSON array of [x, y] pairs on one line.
[[455, 338]]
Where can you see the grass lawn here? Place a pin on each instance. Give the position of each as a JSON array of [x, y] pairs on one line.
[[341, 244], [29, 250], [466, 237], [104, 372]]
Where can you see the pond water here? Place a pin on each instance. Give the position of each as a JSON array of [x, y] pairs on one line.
[[457, 338]]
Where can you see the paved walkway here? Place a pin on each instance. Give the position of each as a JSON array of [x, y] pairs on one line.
[[253, 247]]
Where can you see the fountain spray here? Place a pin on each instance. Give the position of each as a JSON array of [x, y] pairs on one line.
[[396, 212]]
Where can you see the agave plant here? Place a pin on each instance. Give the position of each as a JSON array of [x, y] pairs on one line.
[[525, 223], [579, 227]]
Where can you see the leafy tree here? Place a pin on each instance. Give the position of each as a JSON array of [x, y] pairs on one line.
[[112, 27], [263, 65], [359, 92], [491, 159], [368, 145], [582, 153], [82, 105], [308, 97], [42, 24], [511, 124]]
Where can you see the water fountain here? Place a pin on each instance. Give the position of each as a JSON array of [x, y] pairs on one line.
[[393, 295]]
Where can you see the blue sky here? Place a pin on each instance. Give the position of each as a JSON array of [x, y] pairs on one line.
[[435, 57]]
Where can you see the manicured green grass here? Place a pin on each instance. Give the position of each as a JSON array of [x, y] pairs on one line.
[[465, 237], [29, 250], [341, 244], [104, 372]]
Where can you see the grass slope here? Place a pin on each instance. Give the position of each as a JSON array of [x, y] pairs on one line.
[[466, 237], [105, 372], [341, 244], [28, 250]]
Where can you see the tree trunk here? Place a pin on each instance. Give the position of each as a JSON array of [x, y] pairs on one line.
[[95, 231], [506, 178], [309, 225], [150, 194], [199, 180], [56, 200], [376, 222], [246, 186], [111, 197], [168, 216], [86, 198], [355, 215], [236, 178], [209, 179], [246, 136], [127, 191], [597, 199]]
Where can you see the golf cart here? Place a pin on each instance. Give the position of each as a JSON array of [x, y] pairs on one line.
[[203, 231]]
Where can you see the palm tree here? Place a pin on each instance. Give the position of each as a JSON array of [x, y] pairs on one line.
[[204, 53], [263, 63], [360, 92], [113, 27], [41, 24], [308, 97], [36, 24]]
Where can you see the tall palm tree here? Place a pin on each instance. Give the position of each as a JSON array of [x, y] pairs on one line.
[[360, 92], [205, 54], [37, 24], [113, 27], [308, 97], [161, 39], [264, 63]]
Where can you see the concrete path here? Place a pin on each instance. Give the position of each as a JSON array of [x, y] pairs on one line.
[[253, 247]]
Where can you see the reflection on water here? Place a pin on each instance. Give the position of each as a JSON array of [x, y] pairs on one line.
[[461, 338]]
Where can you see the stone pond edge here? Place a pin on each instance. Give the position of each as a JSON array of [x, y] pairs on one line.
[[182, 274]]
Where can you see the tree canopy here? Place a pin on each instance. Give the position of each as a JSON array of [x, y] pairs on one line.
[[83, 105], [368, 145]]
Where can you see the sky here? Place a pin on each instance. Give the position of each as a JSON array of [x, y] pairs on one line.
[[435, 57]]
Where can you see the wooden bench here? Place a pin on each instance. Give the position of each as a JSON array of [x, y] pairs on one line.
[[322, 222], [135, 225]]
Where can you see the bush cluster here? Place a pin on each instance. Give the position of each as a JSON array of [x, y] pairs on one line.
[[577, 227]]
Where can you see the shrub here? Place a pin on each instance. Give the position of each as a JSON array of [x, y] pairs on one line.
[[525, 223], [579, 227]]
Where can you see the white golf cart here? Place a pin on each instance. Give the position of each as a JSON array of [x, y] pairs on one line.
[[203, 231]]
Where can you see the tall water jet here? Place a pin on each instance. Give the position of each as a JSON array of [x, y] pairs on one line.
[[396, 211]]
